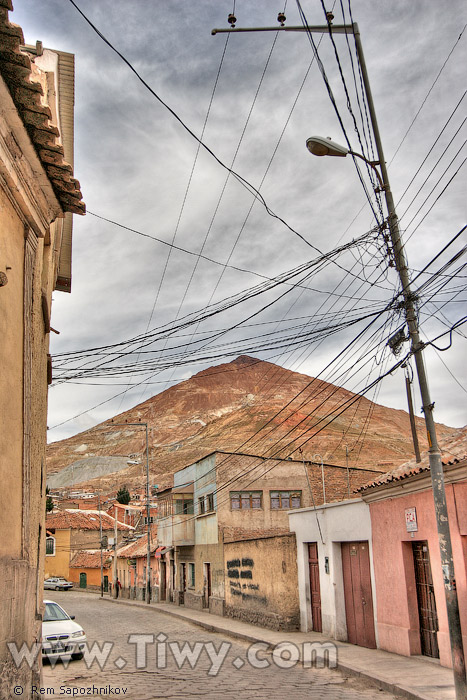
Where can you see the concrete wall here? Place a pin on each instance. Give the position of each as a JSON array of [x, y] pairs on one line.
[[262, 582], [348, 521], [398, 623]]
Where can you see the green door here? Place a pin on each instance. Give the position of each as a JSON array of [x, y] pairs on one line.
[[106, 583], [82, 580]]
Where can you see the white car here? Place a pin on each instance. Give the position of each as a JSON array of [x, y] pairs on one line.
[[60, 635], [58, 583]]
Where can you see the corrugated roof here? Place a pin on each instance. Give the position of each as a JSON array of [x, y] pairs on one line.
[[82, 520], [16, 70]]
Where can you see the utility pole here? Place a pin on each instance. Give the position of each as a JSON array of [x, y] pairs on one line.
[[148, 510], [114, 571], [148, 552], [100, 537], [436, 467]]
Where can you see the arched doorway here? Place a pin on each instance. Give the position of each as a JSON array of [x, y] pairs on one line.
[[83, 580]]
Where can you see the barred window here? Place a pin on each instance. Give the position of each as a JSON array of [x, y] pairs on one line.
[[246, 500], [191, 574], [285, 500], [50, 545]]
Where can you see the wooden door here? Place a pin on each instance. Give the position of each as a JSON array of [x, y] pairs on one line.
[[207, 584], [182, 582], [315, 590], [358, 595], [426, 600], [163, 581]]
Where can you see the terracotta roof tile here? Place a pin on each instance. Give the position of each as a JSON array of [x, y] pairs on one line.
[[138, 548], [15, 68], [82, 520], [90, 559]]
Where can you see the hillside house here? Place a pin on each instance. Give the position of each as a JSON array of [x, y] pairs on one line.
[[38, 196]]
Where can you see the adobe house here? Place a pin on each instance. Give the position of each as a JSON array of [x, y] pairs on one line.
[[131, 567], [336, 576], [38, 196], [411, 616], [230, 507], [85, 569], [72, 531]]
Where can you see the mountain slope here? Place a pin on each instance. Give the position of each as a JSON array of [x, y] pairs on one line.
[[249, 406]]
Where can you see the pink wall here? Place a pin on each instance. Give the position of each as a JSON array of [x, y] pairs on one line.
[[397, 609]]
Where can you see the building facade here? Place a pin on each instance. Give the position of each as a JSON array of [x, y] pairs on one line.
[[38, 196], [412, 615]]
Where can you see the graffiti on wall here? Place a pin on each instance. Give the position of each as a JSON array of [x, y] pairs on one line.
[[241, 584]]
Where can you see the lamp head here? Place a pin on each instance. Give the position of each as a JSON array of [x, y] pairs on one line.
[[319, 146]]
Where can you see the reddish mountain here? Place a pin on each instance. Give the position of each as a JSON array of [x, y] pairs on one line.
[[248, 406]]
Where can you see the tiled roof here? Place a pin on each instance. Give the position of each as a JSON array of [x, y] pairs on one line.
[[138, 548], [453, 451], [82, 520], [16, 68], [90, 559], [405, 472]]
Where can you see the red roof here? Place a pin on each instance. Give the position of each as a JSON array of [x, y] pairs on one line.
[[405, 472], [82, 520], [138, 548], [91, 559], [16, 70]]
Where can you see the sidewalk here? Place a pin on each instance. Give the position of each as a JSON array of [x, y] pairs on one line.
[[411, 677]]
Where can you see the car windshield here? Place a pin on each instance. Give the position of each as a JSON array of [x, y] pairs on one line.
[[53, 613]]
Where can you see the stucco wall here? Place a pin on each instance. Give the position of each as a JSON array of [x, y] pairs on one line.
[[348, 521], [58, 564], [398, 624], [261, 582]]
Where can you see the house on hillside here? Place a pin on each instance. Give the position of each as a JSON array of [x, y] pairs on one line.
[[409, 582], [70, 532], [38, 196], [224, 526], [128, 514]]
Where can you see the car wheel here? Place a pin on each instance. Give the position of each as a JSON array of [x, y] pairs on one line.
[[57, 588], [79, 655]]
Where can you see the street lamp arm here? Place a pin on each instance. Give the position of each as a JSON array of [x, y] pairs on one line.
[[372, 164]]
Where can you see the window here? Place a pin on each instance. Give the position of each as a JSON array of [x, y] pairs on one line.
[[50, 545], [246, 500], [201, 507], [210, 502], [183, 505], [285, 500], [191, 574]]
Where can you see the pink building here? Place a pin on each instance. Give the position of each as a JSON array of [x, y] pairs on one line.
[[411, 613]]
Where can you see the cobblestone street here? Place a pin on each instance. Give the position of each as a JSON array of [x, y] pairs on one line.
[[144, 666]]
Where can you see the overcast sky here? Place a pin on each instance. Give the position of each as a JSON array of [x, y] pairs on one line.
[[255, 101]]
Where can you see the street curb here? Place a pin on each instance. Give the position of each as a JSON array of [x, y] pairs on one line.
[[210, 627]]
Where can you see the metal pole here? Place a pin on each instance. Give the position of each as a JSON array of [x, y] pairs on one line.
[[100, 534], [434, 454], [413, 427], [114, 577], [436, 467], [148, 509], [322, 476]]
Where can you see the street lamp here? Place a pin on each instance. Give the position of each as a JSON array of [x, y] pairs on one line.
[[321, 146]]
